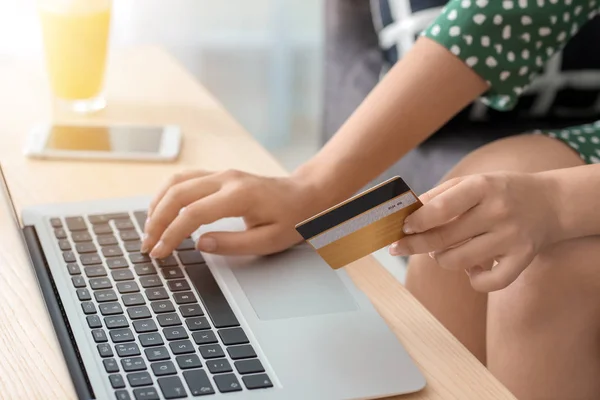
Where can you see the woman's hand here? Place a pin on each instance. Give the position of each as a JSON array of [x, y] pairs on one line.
[[474, 222], [270, 208]]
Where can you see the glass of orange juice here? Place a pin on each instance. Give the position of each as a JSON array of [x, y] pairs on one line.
[[75, 35]]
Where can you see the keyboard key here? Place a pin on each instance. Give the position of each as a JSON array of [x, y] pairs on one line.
[[127, 350], [83, 295], [182, 347], [227, 383], [122, 395], [122, 275], [172, 273], [191, 310], [100, 283], [121, 335], [151, 339], [76, 224], [172, 387], [112, 251], [73, 269], [163, 368], [218, 366], [111, 365], [129, 235], [187, 244], [157, 354], [205, 337], [116, 262], [128, 287], [116, 381], [133, 246], [55, 222], [178, 285], [102, 229], [249, 366], [133, 364], [189, 257], [111, 309], [85, 247], [198, 382], [233, 336], [211, 351], [135, 299], [175, 333], [168, 261], [117, 321], [88, 307], [104, 218], [138, 312], [104, 350], [165, 320], [144, 325], [197, 324], [257, 381], [156, 294], [124, 224], [212, 297], [139, 379], [140, 217], [60, 233], [239, 352], [106, 240], [81, 237], [69, 256], [138, 258], [162, 306], [94, 321], [150, 281], [90, 259], [184, 297], [99, 335], [64, 244], [146, 394], [78, 281], [145, 269], [103, 296], [188, 361], [95, 271]]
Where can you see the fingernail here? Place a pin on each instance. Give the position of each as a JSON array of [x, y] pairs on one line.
[[407, 229], [144, 247], [207, 244], [397, 250], [158, 249], [432, 254], [474, 271]]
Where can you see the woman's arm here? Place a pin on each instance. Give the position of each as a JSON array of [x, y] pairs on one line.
[[417, 97]]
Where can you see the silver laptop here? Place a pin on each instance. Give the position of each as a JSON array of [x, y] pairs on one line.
[[196, 325]]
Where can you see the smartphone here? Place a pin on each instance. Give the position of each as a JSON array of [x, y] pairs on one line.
[[105, 142]]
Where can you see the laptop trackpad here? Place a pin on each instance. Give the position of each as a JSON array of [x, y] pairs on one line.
[[296, 283]]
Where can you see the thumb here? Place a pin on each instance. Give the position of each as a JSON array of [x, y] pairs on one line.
[[262, 240], [436, 191]]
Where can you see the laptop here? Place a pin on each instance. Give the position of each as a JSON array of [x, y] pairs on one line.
[[192, 325]]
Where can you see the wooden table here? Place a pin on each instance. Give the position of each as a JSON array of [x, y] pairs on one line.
[[145, 85]]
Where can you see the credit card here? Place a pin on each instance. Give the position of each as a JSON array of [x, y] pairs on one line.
[[362, 224]]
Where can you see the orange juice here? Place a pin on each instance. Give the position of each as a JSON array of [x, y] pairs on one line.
[[75, 36]]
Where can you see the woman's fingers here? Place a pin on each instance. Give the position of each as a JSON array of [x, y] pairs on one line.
[[168, 208], [505, 272], [436, 191], [476, 251], [262, 240], [174, 180], [449, 204], [467, 226]]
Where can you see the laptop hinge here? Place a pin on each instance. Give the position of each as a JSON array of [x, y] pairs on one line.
[[57, 313]]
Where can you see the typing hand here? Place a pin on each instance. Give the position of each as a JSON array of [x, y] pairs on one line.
[[269, 206], [491, 225]]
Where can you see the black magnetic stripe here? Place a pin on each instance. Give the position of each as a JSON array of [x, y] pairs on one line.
[[353, 208]]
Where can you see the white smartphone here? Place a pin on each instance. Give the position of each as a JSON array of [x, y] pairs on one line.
[[105, 142]]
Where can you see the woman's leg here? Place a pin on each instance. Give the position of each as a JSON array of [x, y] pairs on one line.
[[543, 331]]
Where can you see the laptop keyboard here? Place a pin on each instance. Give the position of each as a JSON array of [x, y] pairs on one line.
[[153, 334]]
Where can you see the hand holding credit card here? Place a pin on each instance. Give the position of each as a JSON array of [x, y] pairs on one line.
[[362, 224]]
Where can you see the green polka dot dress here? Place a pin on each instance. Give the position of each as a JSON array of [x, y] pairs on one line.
[[507, 42]]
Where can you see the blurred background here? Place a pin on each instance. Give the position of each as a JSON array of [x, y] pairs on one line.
[[262, 59]]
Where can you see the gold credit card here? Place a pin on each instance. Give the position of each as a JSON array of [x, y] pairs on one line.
[[362, 224]]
